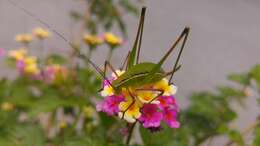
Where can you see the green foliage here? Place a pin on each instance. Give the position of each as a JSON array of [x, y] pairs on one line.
[[166, 137], [257, 137], [255, 73], [105, 14]]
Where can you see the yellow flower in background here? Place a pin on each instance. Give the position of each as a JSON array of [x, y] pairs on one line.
[[24, 38], [63, 124], [30, 60], [31, 66], [164, 85], [130, 110], [112, 39], [18, 54], [41, 33], [92, 40], [6, 106], [31, 69], [88, 111]]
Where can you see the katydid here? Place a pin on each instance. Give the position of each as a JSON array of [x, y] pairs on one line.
[[136, 74], [139, 74]]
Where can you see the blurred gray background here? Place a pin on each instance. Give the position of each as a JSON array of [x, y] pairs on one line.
[[225, 38]]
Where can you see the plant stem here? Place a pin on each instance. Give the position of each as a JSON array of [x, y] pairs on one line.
[[131, 130]]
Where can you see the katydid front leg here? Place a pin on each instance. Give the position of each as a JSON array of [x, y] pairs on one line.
[[125, 64], [132, 103], [108, 64]]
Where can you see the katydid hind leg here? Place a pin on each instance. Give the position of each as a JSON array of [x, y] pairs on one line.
[[179, 55], [140, 39], [172, 71], [184, 35], [132, 58]]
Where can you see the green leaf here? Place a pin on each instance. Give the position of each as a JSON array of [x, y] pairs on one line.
[[236, 137], [255, 73], [165, 137], [257, 137], [56, 59], [27, 135], [242, 78]]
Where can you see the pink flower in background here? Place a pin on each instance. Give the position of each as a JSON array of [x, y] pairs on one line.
[[151, 117], [49, 74], [2, 52], [110, 105], [170, 118], [20, 65]]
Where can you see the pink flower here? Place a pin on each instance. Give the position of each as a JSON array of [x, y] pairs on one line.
[[151, 117], [20, 65], [49, 74], [106, 83], [170, 118], [110, 105], [167, 102], [2, 52]]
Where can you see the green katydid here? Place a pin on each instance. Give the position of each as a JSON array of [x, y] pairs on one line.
[[136, 74], [139, 74]]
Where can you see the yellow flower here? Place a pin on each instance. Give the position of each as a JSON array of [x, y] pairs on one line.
[[23, 38], [41, 33], [6, 106], [148, 96], [112, 39], [117, 73], [31, 69], [30, 60], [63, 124], [107, 91], [164, 85], [31, 65], [88, 111], [18, 54], [130, 110], [92, 40]]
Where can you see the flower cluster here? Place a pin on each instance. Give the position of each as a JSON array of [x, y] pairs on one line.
[[92, 40], [54, 73], [112, 39], [24, 38], [30, 65], [149, 104], [109, 38], [27, 38], [24, 63], [41, 33]]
